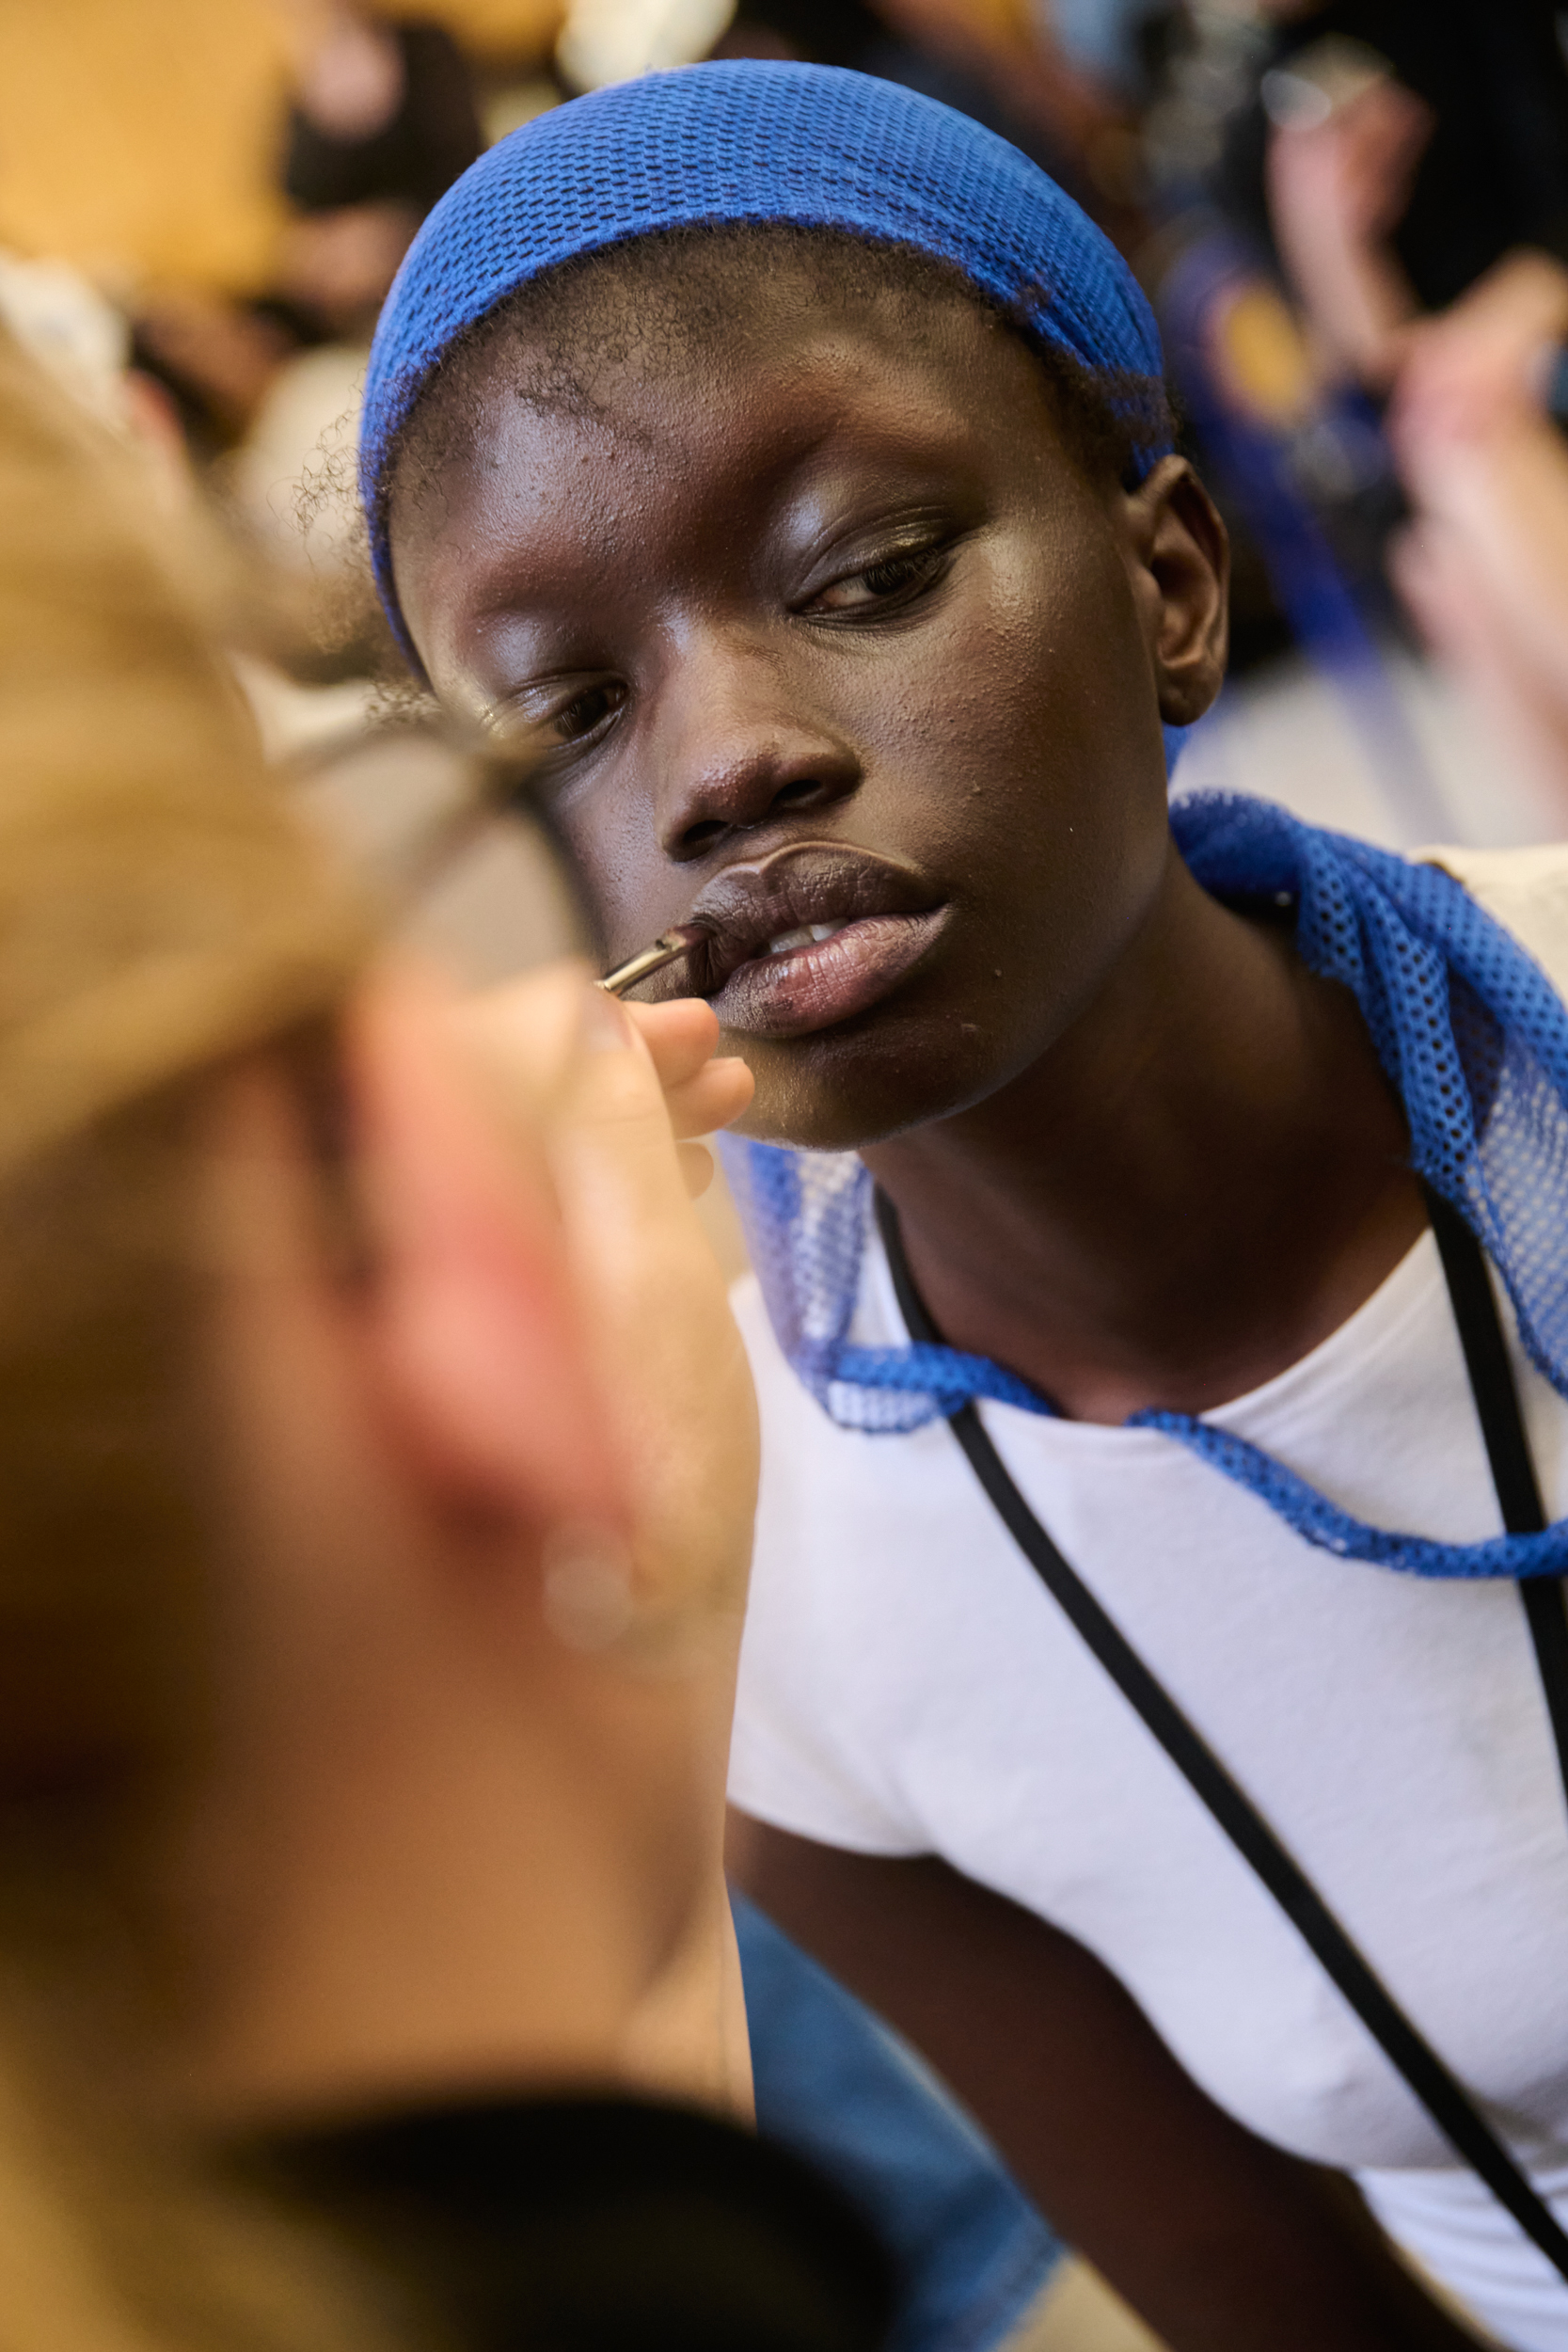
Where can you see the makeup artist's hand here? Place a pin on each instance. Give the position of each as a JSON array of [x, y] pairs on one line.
[[702, 1092], [530, 1024]]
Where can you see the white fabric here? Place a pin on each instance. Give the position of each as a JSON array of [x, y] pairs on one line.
[[907, 1687]]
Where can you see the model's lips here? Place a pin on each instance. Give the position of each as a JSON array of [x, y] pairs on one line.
[[809, 937]]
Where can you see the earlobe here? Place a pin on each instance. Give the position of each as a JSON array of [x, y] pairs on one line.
[[1182, 554], [471, 1319]]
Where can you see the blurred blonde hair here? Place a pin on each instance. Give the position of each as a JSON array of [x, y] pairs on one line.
[[160, 914]]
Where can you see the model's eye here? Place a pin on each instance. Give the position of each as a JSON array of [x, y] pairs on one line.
[[586, 712], [894, 580]]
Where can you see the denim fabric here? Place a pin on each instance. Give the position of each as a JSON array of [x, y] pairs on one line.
[[840, 2087]]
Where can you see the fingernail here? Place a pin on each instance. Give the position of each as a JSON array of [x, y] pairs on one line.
[[605, 1027]]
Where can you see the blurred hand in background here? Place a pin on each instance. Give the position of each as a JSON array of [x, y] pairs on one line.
[[1483, 564], [1338, 187]]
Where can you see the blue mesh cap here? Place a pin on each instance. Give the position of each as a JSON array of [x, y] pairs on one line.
[[745, 141]]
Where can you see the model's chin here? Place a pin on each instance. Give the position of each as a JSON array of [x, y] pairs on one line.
[[853, 1087]]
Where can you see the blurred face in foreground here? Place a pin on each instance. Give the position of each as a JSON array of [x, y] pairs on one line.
[[376, 1472], [839, 648], [486, 1494]]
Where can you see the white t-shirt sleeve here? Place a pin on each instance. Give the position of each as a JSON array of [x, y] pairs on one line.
[[793, 1784], [805, 1756]]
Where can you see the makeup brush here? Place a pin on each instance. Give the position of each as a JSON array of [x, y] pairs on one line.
[[647, 961]]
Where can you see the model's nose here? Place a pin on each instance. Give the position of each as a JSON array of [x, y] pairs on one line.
[[737, 754]]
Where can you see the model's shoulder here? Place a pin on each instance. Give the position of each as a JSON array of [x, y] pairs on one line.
[[1527, 890]]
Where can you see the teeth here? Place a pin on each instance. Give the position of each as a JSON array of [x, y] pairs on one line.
[[808, 935]]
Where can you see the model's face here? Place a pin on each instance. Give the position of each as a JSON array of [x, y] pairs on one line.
[[834, 649]]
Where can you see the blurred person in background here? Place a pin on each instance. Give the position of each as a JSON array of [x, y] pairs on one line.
[[230, 191], [1483, 563], [376, 1463], [240, 182], [375, 118], [383, 119], [1417, 180], [1323, 177], [1408, 147]]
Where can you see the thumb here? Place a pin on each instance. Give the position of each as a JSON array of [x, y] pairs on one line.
[[622, 1190]]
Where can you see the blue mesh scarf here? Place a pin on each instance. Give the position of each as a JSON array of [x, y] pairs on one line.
[[711, 144], [1469, 1030]]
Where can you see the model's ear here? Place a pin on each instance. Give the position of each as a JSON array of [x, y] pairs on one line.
[[1179, 555], [470, 1312]]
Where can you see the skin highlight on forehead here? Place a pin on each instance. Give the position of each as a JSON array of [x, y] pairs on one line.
[[678, 300]]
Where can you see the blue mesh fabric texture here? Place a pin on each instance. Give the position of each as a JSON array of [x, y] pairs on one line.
[[1470, 1032], [745, 140]]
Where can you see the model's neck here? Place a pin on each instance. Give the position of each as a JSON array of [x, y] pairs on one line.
[[1198, 1182]]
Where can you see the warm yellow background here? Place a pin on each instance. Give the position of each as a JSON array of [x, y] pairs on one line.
[[139, 138]]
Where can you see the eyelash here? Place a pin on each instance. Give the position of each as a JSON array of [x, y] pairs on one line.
[[893, 579], [610, 696], [905, 568]]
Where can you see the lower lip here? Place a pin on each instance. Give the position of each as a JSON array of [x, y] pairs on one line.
[[811, 988]]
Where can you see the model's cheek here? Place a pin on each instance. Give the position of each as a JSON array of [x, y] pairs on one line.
[[1005, 682], [606, 876], [628, 888]]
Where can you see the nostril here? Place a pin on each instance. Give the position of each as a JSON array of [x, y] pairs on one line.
[[799, 793], [746, 795], [803, 792]]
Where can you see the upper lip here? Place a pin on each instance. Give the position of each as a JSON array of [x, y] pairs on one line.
[[747, 906]]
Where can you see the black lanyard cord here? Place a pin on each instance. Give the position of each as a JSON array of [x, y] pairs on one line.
[[1502, 1427], [1439, 2092]]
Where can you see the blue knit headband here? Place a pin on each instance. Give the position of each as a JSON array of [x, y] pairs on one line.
[[745, 141]]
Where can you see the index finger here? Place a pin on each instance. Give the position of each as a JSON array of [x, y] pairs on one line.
[[610, 1136], [681, 1034]]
